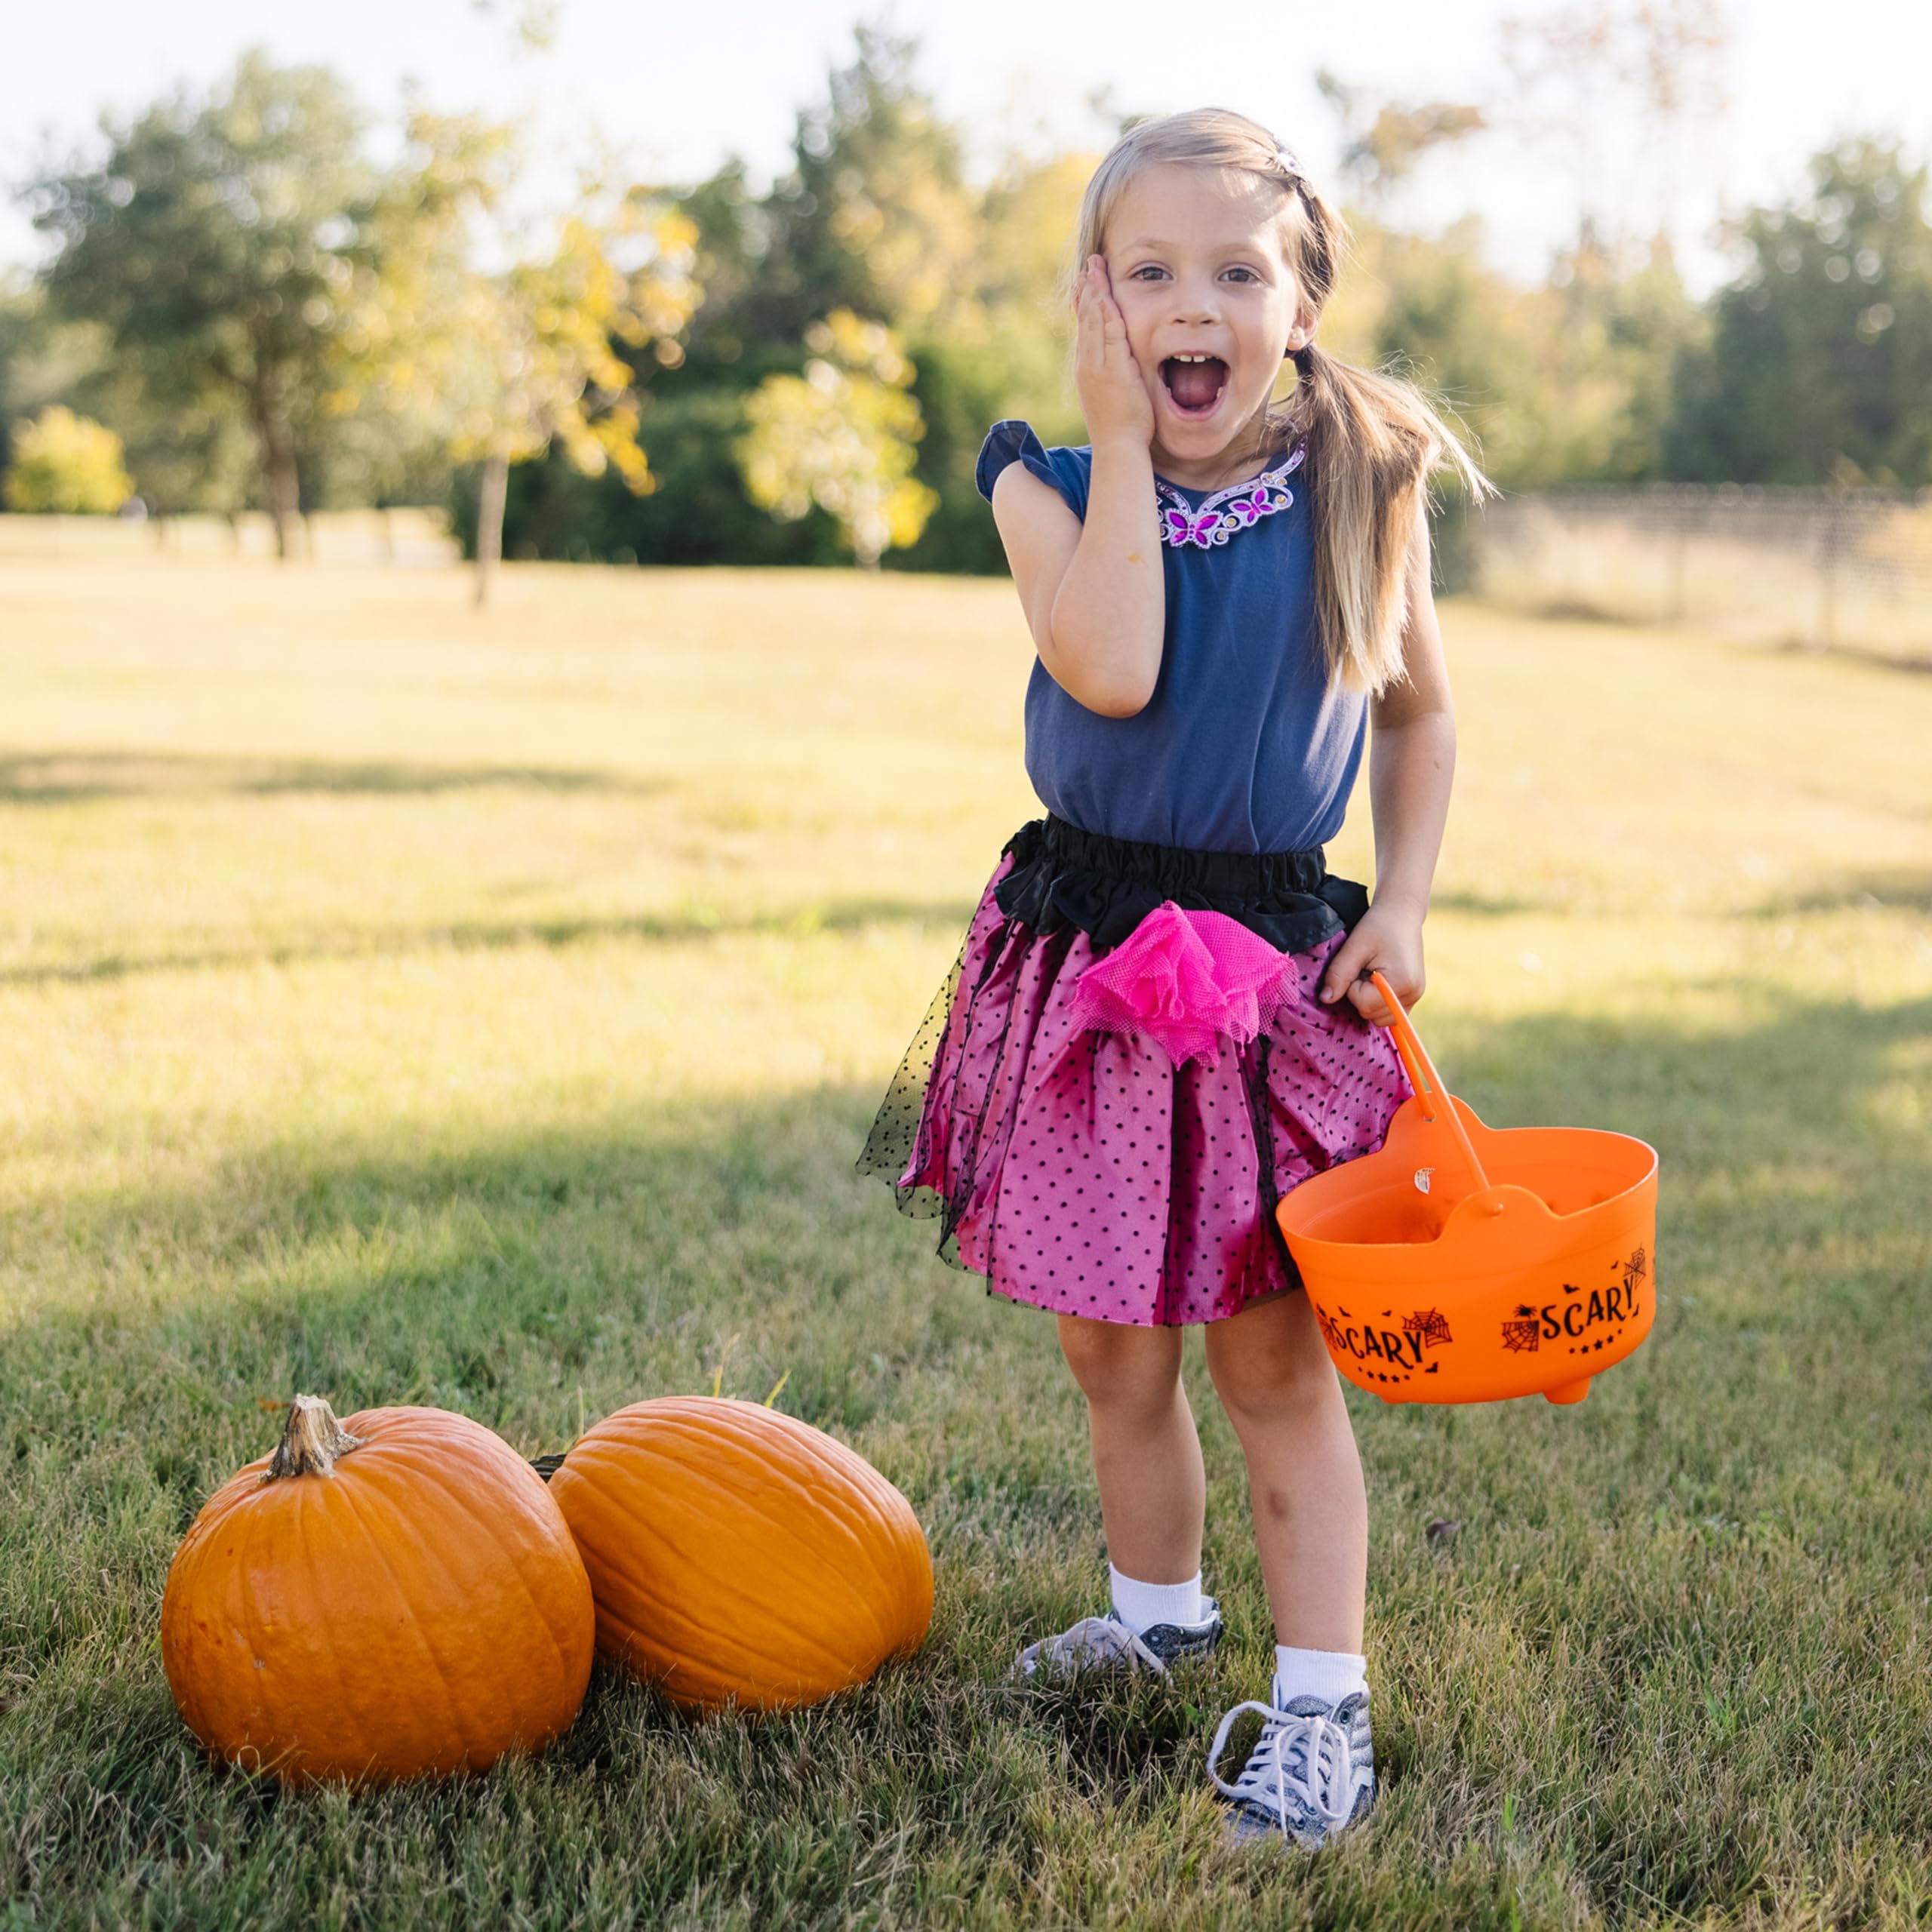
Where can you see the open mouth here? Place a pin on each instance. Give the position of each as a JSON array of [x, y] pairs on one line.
[[1195, 386]]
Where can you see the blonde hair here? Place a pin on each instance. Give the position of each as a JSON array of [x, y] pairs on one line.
[[1373, 440]]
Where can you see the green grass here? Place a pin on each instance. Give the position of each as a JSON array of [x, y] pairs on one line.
[[410, 1007]]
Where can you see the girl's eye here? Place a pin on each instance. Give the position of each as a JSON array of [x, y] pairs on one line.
[[1147, 270]]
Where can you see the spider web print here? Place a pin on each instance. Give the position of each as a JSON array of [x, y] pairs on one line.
[[1432, 1328], [1521, 1337]]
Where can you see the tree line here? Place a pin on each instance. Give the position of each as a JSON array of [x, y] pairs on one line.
[[242, 308]]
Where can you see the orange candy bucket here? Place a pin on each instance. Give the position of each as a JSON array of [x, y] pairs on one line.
[[1461, 1263]]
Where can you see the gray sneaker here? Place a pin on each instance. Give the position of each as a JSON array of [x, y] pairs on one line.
[[1311, 1773], [1105, 1643]]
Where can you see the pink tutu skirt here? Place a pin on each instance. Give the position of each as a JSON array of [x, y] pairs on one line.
[[1127, 1068]]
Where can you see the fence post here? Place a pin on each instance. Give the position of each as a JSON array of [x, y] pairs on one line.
[[1829, 539], [1680, 546]]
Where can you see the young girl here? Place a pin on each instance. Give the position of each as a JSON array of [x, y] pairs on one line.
[[1160, 1018]]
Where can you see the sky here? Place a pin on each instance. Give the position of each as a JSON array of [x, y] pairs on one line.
[[677, 88]]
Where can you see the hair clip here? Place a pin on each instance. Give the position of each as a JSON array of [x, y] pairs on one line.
[[1284, 157]]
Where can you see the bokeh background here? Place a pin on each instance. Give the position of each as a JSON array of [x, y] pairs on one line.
[[508, 697], [606, 285]]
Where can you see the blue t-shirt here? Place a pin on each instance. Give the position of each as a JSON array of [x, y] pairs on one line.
[[1243, 747]]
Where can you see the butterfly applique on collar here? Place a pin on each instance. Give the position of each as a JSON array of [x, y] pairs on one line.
[[1240, 506]]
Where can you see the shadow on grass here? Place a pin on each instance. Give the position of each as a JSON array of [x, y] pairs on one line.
[[1915, 665], [492, 936], [392, 1265], [1898, 889], [1490, 905], [60, 778], [1719, 1551]]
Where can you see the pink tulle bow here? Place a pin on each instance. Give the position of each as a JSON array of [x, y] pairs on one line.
[[1187, 980]]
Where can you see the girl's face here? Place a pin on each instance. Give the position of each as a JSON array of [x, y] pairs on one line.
[[1197, 260]]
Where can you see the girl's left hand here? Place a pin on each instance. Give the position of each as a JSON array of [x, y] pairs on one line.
[[1388, 941]]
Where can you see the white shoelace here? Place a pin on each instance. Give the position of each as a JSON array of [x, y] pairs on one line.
[[1326, 1756], [1092, 1640]]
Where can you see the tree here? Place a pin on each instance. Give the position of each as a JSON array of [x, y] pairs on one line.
[[42, 356], [1383, 141], [546, 333], [875, 214], [62, 462], [841, 436], [224, 247], [1819, 367]]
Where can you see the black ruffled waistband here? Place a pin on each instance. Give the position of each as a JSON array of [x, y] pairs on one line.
[[1062, 876]]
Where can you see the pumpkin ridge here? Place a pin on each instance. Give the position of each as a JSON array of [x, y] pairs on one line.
[[563, 1671], [421, 1453], [645, 1586], [886, 1514], [851, 1466], [780, 1670], [861, 1539], [739, 1554], [269, 1536], [411, 1621], [713, 1640], [814, 1502], [303, 1522], [765, 1425], [796, 1576]]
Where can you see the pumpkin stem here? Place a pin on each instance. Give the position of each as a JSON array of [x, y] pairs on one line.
[[312, 1441]]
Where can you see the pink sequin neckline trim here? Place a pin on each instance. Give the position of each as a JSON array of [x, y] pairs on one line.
[[1240, 506]]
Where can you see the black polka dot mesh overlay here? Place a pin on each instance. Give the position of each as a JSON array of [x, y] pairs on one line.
[[1082, 1171]]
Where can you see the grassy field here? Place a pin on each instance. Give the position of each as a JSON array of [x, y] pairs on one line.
[[408, 1006]]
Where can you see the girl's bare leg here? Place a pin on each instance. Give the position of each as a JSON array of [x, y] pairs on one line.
[[1147, 1450], [1304, 1477]]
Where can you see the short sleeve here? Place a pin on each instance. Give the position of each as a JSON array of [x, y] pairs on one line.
[[1014, 441]]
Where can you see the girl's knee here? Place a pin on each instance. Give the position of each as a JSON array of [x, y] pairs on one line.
[[1274, 1369], [1115, 1362]]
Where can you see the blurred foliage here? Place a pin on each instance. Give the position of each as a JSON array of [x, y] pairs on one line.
[[222, 246], [63, 463], [841, 436], [532, 354], [875, 214], [241, 295], [1566, 381], [511, 335], [1819, 366], [1383, 141]]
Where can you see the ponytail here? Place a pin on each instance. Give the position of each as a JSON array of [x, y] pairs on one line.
[[1373, 442]]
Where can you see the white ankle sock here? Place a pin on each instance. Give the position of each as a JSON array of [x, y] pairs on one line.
[[1330, 1675], [1141, 1606]]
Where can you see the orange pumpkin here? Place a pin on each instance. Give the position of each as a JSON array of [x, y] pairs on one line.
[[738, 1553], [380, 1598]]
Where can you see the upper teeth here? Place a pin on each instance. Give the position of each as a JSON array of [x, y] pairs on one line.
[[1196, 358]]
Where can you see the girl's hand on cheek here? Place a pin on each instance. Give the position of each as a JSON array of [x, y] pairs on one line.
[[1113, 391]]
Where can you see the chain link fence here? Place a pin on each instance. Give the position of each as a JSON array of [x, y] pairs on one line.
[[1817, 569]]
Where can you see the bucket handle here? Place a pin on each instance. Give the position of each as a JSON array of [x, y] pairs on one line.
[[1435, 1101]]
